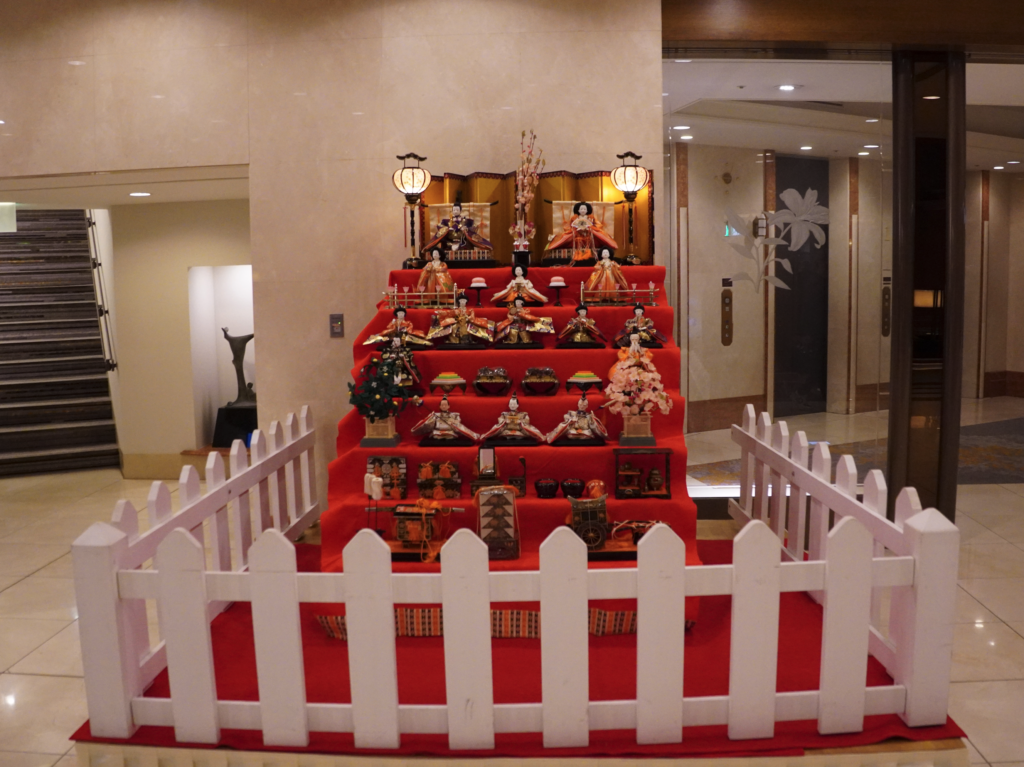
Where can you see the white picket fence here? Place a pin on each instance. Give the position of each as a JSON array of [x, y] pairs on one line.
[[789, 488], [277, 492], [922, 572]]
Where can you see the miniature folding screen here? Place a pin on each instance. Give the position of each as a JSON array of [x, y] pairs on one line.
[[479, 212]]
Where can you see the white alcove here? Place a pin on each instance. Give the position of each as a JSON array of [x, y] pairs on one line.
[[218, 297]]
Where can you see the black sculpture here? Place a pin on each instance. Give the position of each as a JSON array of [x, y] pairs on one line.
[[246, 395]]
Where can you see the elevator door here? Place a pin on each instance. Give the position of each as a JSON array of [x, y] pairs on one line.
[[801, 313]]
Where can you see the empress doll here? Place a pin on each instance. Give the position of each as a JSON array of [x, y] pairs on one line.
[[583, 233], [520, 287]]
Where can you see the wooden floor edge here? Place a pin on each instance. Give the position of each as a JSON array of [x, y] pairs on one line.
[[937, 753]]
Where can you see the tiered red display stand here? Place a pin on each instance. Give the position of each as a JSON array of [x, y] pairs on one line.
[[537, 517]]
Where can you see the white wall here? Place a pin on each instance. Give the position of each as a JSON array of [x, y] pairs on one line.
[[155, 245]]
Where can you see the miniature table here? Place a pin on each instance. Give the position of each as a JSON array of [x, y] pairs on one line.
[[625, 487], [583, 386], [478, 289], [448, 387]]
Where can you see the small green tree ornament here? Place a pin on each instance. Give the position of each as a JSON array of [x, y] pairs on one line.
[[378, 395]]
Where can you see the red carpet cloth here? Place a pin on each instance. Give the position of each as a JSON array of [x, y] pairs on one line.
[[345, 515], [517, 680]]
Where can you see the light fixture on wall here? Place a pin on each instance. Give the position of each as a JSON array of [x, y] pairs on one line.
[[411, 181], [630, 179]]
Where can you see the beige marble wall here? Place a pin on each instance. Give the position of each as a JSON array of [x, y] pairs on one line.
[[154, 246], [716, 371], [875, 256], [997, 330], [972, 282], [318, 97]]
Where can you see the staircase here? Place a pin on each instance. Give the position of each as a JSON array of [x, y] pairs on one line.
[[55, 407]]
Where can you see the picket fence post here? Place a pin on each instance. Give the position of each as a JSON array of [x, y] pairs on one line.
[[747, 464], [847, 613], [661, 629], [780, 441], [875, 500], [761, 469], [796, 528], [241, 519], [158, 504], [182, 608], [110, 641], [564, 640], [220, 545], [754, 636], [280, 671], [126, 519], [923, 617], [258, 448], [307, 461], [370, 620], [466, 605], [821, 466], [278, 485]]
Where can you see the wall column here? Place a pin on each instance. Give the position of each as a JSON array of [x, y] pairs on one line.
[[929, 165]]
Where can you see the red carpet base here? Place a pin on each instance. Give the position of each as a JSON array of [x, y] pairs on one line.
[[517, 679]]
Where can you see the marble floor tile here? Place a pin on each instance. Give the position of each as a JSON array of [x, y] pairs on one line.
[[1003, 596], [69, 759], [991, 713], [38, 713], [983, 651], [14, 759], [26, 558], [40, 598], [983, 501], [20, 636], [59, 656], [970, 610], [1009, 528], [58, 568], [63, 527], [9, 581], [973, 754], [991, 560], [973, 532]]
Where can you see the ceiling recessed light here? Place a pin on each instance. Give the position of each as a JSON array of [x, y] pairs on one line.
[[138, 194], [871, 146], [686, 138], [299, 93], [805, 148], [2, 122], [357, 113], [664, 94], [931, 98], [1013, 162], [680, 127], [787, 87], [863, 153], [997, 167], [872, 120], [76, 63], [683, 61]]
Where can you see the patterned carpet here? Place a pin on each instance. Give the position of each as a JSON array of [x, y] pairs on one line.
[[990, 454]]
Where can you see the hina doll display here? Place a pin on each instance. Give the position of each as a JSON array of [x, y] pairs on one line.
[[399, 327], [401, 355], [435, 278], [457, 233], [443, 427], [513, 428], [581, 332], [606, 277], [461, 328], [520, 287], [583, 234], [579, 427], [643, 326], [517, 329]]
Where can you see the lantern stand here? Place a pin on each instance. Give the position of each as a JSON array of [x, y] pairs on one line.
[[630, 179], [412, 181]]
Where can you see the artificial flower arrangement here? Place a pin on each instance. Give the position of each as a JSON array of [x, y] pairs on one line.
[[527, 178], [635, 386]]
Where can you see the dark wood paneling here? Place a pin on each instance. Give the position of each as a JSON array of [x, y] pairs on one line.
[[996, 383], [1014, 383], [872, 397], [908, 22], [711, 414]]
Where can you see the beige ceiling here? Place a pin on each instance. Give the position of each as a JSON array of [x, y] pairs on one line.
[[102, 190]]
